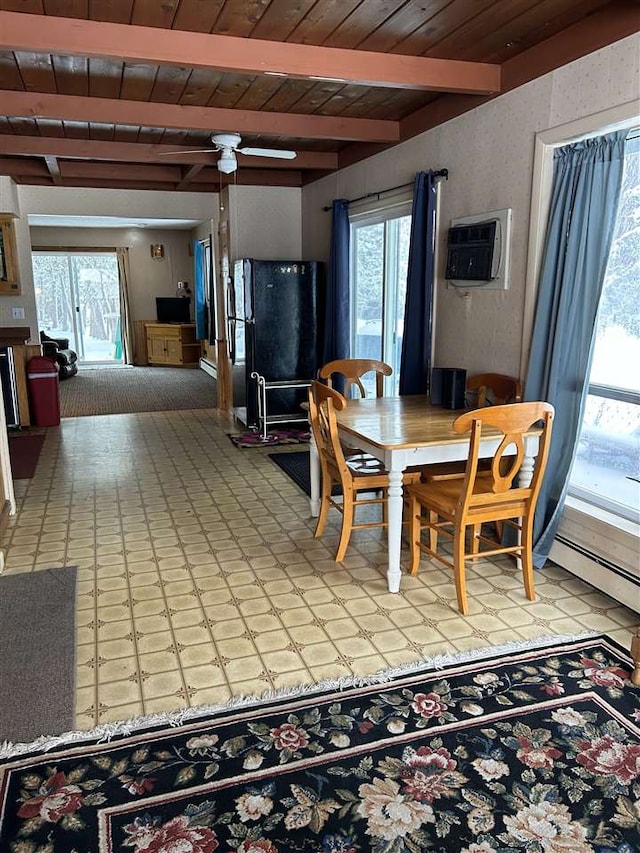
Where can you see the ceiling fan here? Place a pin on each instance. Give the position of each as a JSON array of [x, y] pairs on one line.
[[227, 144]]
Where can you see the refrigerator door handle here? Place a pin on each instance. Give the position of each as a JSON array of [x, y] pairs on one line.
[[232, 339]]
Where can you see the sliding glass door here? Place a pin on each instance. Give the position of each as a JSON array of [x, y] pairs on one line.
[[379, 259], [78, 297]]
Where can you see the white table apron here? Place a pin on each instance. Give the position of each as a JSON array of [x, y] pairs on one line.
[[396, 461]]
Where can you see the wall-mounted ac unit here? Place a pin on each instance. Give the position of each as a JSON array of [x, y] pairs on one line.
[[478, 249]]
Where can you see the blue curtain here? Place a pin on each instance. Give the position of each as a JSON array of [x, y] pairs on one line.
[[415, 361], [198, 290], [336, 331], [586, 187]]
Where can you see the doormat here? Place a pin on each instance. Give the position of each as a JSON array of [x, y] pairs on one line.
[[37, 653], [253, 438], [531, 746], [24, 452], [296, 466]]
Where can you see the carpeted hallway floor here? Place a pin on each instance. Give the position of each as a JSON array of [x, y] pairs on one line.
[[135, 389]]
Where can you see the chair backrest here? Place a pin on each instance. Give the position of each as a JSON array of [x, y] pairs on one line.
[[324, 402], [353, 369], [513, 421], [504, 389]]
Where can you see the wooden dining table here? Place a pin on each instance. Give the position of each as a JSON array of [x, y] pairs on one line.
[[403, 432]]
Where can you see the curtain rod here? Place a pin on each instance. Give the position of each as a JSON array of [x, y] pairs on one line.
[[441, 173]]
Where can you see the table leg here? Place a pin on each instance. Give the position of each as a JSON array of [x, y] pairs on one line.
[[314, 472], [524, 479], [394, 518]]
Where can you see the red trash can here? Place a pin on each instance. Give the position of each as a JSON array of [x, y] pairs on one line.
[[44, 394]]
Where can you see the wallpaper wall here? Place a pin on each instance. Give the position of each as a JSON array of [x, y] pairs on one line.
[[489, 155]]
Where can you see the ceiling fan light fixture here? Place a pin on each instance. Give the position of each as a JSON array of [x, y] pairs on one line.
[[227, 162]]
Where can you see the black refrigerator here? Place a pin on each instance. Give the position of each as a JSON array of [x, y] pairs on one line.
[[275, 329]]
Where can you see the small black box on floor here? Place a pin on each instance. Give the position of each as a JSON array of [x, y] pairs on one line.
[[448, 386]]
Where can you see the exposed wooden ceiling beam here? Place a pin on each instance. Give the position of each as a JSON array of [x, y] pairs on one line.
[[54, 169], [23, 166], [246, 177], [136, 113], [189, 175], [137, 152], [108, 183], [120, 171], [79, 37]]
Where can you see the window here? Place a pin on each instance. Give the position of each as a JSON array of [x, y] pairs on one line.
[[379, 260], [606, 471]]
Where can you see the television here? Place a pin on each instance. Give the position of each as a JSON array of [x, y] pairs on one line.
[[172, 309]]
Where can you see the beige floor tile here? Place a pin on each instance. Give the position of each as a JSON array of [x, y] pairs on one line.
[[281, 660], [117, 669], [119, 693], [292, 678], [218, 694], [163, 704], [202, 677], [231, 592], [389, 641], [319, 654], [162, 684], [339, 628], [203, 654], [240, 669], [163, 660], [236, 647], [274, 640]]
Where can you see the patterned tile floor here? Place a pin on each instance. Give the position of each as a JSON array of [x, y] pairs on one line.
[[199, 577]]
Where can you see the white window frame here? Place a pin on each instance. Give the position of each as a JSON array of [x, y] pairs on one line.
[[375, 213]]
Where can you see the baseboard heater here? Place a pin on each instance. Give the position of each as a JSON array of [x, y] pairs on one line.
[[620, 583], [209, 367]]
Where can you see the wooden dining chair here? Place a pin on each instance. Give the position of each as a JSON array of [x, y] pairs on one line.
[[356, 473], [353, 369], [450, 507], [489, 389], [494, 389]]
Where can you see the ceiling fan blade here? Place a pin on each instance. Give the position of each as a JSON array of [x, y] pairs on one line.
[[195, 151], [268, 152]]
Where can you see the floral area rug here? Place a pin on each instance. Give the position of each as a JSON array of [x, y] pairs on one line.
[[253, 438], [534, 750]]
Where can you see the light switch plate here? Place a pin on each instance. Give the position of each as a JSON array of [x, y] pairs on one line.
[[17, 313]]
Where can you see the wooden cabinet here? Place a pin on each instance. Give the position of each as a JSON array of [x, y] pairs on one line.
[[172, 344]]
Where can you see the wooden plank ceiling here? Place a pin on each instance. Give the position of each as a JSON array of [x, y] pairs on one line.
[[99, 92]]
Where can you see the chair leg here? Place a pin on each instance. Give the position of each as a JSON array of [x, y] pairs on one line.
[[415, 515], [324, 506], [433, 533], [348, 510], [459, 568], [475, 540], [527, 557]]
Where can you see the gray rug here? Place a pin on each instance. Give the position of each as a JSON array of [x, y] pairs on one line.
[[295, 464], [37, 653], [136, 389]]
